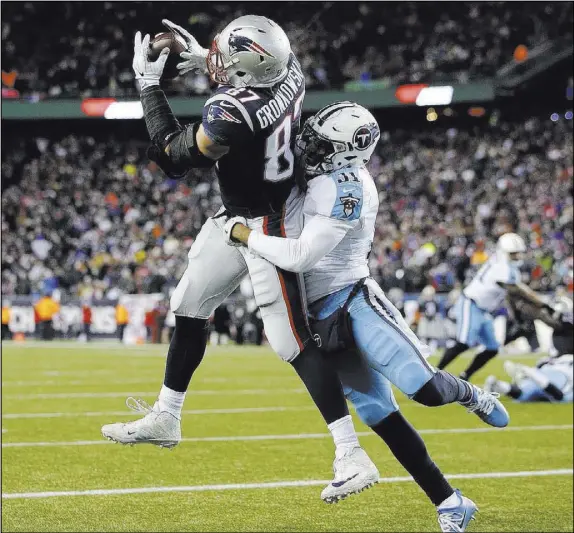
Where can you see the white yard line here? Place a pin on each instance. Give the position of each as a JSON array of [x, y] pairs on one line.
[[232, 410], [271, 485], [64, 395], [91, 382], [115, 348], [296, 436], [63, 382]]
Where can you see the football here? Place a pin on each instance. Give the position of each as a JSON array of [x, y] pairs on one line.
[[175, 44]]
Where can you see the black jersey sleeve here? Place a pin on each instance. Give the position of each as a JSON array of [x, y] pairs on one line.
[[226, 121]]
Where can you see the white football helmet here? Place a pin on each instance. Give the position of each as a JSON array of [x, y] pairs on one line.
[[251, 51], [509, 247], [339, 135]]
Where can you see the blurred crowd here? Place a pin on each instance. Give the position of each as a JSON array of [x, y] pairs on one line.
[[95, 218], [82, 49], [447, 195]]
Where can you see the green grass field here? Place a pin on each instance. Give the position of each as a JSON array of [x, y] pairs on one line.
[[56, 397]]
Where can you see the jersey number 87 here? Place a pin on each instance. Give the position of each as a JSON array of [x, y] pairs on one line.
[[279, 158]]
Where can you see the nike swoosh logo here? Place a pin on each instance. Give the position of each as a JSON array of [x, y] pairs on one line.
[[131, 432], [464, 516], [341, 483]]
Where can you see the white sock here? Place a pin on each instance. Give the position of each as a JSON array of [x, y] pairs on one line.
[[344, 435], [451, 501], [171, 401]]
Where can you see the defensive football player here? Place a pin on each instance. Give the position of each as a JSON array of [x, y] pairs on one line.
[[329, 241], [551, 380], [486, 292], [247, 132]]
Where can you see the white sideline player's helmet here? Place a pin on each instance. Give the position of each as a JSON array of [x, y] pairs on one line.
[[251, 51], [339, 135], [509, 247]]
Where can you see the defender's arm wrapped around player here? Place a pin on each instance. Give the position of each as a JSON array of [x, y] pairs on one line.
[[328, 220]]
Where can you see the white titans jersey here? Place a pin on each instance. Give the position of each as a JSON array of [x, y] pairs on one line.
[[484, 288], [350, 197]]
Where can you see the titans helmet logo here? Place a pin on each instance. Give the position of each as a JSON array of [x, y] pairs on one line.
[[349, 203], [240, 43], [362, 138]]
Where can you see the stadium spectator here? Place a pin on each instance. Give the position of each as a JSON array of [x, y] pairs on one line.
[[88, 51], [122, 320], [6, 312], [116, 225], [46, 308], [87, 321]]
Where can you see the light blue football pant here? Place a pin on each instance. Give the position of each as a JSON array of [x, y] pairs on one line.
[[474, 326], [389, 352], [531, 392]]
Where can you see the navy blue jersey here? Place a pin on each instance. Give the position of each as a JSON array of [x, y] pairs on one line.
[[259, 125]]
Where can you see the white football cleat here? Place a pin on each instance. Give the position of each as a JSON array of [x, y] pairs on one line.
[[354, 472], [495, 385], [454, 517], [514, 370], [157, 427]]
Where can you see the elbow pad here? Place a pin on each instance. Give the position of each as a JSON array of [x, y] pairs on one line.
[[181, 154]]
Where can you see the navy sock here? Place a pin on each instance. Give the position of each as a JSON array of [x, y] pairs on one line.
[[186, 350]]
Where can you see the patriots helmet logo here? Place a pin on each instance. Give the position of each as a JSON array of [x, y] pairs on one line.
[[240, 43], [349, 203], [218, 113]]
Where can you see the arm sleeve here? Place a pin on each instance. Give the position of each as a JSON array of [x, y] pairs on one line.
[[320, 235]]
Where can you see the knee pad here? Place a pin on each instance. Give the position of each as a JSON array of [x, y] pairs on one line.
[[437, 391]]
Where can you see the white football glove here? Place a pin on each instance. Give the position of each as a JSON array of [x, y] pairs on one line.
[[229, 227], [195, 56], [147, 72]]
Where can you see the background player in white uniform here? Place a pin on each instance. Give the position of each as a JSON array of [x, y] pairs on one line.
[[330, 232], [482, 297], [248, 127]]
